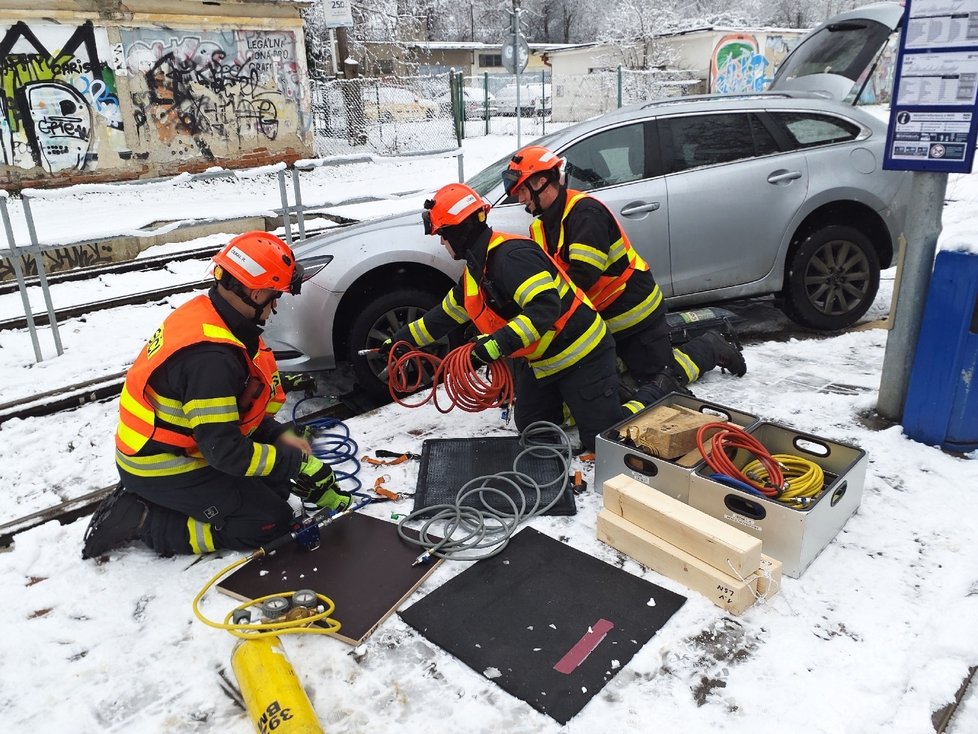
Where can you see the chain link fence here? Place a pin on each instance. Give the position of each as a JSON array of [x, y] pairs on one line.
[[412, 115], [387, 117]]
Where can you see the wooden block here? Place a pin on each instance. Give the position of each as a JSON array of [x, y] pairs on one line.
[[726, 548], [768, 577], [666, 431], [727, 592]]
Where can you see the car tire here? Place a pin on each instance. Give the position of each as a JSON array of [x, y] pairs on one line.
[[832, 278], [377, 321]]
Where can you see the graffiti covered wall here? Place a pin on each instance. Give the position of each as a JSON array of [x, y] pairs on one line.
[[59, 109], [738, 66], [215, 93], [746, 62]]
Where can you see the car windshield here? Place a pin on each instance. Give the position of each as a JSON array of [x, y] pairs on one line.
[[491, 176], [844, 48]]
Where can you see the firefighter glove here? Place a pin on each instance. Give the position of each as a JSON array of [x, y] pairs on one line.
[[486, 350], [317, 484], [401, 335]]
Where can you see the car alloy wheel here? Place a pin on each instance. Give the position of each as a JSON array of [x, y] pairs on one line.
[[376, 322], [833, 278]]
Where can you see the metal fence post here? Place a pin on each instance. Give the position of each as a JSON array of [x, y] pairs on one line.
[[19, 274], [543, 101], [485, 90], [286, 213], [42, 277], [300, 215]]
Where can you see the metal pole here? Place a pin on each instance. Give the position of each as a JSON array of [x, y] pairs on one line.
[[334, 51], [543, 102], [923, 228], [485, 92], [461, 168], [516, 66], [299, 213], [286, 213], [41, 275], [19, 274]]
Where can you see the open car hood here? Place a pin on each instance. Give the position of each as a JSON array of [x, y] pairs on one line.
[[836, 57]]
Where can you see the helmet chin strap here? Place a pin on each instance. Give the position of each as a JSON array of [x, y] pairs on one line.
[[537, 209], [242, 293]]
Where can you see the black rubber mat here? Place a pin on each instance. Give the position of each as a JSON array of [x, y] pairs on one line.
[[448, 463], [547, 623]]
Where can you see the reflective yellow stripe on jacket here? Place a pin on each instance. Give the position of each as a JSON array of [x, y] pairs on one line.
[[574, 353]]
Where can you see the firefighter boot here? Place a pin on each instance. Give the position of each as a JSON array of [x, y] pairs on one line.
[[119, 519], [658, 387], [726, 355]]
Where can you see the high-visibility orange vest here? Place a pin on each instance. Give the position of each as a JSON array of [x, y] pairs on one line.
[[487, 320], [606, 288], [195, 322]]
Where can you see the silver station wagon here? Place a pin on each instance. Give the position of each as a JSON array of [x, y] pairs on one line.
[[727, 197]]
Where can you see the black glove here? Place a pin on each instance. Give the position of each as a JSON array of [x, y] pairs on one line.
[[317, 484], [401, 335], [486, 350]]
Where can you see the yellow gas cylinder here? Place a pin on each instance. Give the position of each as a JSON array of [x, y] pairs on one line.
[[272, 691]]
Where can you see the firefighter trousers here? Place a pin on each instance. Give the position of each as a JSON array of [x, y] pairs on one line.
[[205, 509]]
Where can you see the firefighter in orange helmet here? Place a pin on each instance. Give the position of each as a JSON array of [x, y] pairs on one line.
[[585, 238], [526, 309], [203, 463]]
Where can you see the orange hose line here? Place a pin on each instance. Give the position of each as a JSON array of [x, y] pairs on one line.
[[464, 384]]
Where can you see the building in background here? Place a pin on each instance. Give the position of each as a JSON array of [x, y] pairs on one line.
[[117, 91], [587, 81]]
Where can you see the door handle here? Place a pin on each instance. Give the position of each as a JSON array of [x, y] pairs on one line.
[[640, 208], [783, 176]]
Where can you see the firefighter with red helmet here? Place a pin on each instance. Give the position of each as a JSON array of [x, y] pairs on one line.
[[585, 238], [203, 462], [525, 308]]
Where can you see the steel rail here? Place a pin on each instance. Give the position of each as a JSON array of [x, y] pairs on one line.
[[65, 398], [70, 312], [114, 268]]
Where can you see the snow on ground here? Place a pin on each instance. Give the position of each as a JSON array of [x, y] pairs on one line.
[[874, 637]]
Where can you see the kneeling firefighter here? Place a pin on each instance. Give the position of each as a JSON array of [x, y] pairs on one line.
[[525, 308], [586, 239], [202, 461]]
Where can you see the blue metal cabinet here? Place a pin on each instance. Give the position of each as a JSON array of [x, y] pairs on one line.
[[941, 407]]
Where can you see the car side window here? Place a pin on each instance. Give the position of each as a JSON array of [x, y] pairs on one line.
[[609, 157], [708, 140], [807, 129]]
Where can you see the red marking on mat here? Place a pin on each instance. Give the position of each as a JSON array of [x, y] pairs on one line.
[[584, 647]]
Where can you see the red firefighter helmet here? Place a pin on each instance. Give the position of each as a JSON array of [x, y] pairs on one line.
[[526, 162], [451, 205], [260, 260]]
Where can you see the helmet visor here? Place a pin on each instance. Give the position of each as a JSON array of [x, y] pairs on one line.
[[511, 177]]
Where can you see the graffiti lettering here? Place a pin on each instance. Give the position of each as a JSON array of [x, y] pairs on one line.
[[48, 122], [231, 85], [71, 127]]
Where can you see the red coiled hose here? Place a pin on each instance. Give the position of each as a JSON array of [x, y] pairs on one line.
[[464, 385], [728, 436]]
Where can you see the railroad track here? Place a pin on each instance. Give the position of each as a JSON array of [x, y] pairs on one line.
[[55, 401], [70, 312], [129, 266]]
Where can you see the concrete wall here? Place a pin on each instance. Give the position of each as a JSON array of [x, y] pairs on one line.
[[103, 92]]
